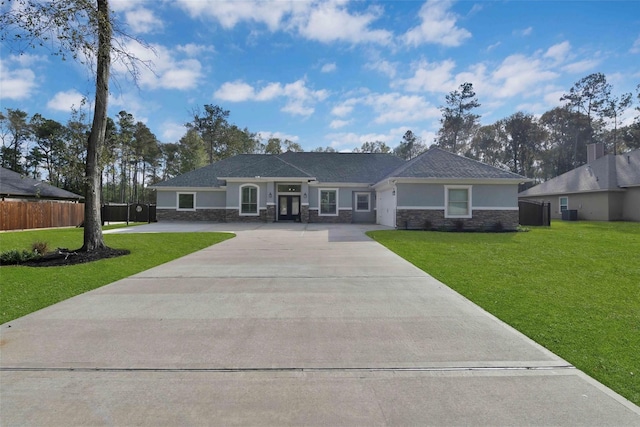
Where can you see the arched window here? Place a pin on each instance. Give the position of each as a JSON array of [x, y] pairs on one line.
[[249, 199]]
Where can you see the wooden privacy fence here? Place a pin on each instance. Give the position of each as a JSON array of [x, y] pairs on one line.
[[21, 215]]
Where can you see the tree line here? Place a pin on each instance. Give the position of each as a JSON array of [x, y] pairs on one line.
[[132, 157], [546, 146]]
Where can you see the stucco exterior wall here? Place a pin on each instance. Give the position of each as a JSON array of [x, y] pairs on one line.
[[420, 195], [233, 194], [204, 199], [433, 195], [631, 204]]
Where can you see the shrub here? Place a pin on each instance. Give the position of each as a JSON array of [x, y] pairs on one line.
[[40, 248], [15, 256]]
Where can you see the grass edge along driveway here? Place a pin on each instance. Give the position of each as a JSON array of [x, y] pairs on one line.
[[573, 287], [24, 290]]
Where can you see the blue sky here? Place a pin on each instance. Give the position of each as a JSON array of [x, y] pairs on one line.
[[340, 73]]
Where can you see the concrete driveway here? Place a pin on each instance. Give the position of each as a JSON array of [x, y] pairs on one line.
[[286, 324]]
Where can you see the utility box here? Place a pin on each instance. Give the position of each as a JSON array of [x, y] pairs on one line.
[[570, 215]]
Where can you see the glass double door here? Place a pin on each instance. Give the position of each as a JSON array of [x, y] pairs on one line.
[[288, 208]]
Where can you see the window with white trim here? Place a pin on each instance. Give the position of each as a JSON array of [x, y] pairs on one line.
[[457, 201], [564, 204], [329, 202], [363, 202], [249, 200], [186, 201]]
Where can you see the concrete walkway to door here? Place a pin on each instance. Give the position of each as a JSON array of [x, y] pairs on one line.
[[286, 324]]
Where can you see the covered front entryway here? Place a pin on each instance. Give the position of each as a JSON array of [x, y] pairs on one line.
[[288, 208]]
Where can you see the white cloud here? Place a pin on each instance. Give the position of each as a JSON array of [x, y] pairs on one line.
[[398, 108], [266, 135], [26, 60], [331, 21], [65, 101], [300, 100], [438, 26], [635, 48], [326, 22], [192, 49], [166, 69], [429, 77], [385, 67], [269, 92], [229, 13], [142, 21], [558, 52], [16, 83], [172, 131], [524, 32], [337, 124], [329, 68], [345, 108], [520, 74], [581, 66], [235, 92], [347, 141], [493, 46]]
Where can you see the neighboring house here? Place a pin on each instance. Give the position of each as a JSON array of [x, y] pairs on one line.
[[27, 203], [607, 188], [437, 188], [19, 187]]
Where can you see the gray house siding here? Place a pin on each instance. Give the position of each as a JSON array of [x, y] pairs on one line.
[[360, 216], [346, 205], [422, 206], [209, 206], [631, 204]]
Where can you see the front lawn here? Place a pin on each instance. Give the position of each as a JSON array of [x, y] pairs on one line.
[[573, 287], [24, 290]]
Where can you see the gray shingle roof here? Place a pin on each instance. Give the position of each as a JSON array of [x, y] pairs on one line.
[[608, 173], [437, 164], [363, 168], [269, 166], [207, 176], [344, 167], [325, 167], [17, 185]]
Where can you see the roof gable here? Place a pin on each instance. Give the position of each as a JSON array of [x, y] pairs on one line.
[[15, 184], [437, 163], [608, 173]]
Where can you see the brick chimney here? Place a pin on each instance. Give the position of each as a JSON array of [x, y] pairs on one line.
[[595, 151]]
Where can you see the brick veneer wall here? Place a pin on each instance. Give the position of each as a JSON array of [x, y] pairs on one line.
[[233, 215], [304, 213], [344, 217], [271, 213], [497, 220], [213, 215]]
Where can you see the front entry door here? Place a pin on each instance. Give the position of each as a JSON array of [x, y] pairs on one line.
[[288, 208]]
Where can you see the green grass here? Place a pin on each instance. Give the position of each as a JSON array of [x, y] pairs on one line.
[[573, 287], [24, 290]]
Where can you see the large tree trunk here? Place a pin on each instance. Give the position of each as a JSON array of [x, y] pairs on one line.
[[93, 239]]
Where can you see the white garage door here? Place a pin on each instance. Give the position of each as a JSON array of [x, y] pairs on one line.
[[386, 208]]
